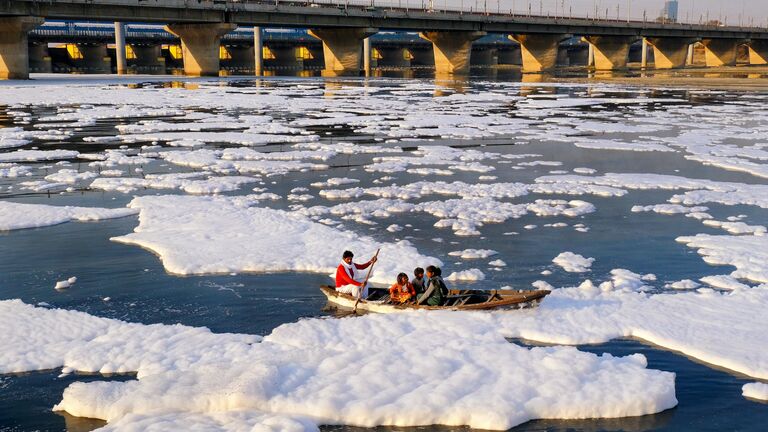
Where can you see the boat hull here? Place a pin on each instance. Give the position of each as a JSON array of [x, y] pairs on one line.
[[500, 300]]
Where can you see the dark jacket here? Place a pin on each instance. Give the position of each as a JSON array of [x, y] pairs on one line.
[[437, 296], [418, 284]]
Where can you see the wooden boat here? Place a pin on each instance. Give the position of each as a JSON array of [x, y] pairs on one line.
[[467, 300]]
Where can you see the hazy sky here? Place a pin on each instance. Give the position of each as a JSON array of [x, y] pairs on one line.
[[757, 10]]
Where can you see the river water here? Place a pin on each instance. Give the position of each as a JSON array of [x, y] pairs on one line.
[[138, 288]]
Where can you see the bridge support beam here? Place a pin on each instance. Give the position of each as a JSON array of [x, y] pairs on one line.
[[758, 52], [149, 59], [720, 52], [488, 57], [670, 53], [240, 61], [452, 50], [342, 48], [14, 46], [367, 56], [120, 54], [611, 52], [539, 51], [94, 59], [395, 57], [40, 58], [200, 45], [509, 56], [258, 52]]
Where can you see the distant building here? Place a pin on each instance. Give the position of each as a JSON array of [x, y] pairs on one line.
[[669, 13]]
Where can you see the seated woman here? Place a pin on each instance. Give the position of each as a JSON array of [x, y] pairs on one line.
[[436, 291], [402, 290]]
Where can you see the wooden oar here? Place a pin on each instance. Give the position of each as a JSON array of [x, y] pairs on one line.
[[360, 292]]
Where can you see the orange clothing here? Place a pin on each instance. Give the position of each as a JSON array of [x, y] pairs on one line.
[[401, 293]]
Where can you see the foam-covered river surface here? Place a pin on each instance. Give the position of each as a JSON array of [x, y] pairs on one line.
[[225, 203]]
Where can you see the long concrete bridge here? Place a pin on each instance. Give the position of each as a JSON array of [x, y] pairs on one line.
[[88, 47], [345, 29]]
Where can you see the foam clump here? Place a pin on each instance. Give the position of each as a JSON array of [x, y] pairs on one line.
[[749, 254], [755, 390], [473, 253], [466, 275], [573, 263], [15, 216], [299, 375], [214, 421], [240, 238], [684, 284]]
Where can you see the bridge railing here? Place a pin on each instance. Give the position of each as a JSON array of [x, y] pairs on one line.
[[520, 8]]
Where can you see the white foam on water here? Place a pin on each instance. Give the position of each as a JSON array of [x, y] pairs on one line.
[[235, 420], [187, 182], [685, 284], [240, 238], [37, 155], [749, 254], [301, 371], [473, 253], [8, 170], [756, 390], [466, 275], [573, 263], [725, 282], [601, 144], [14, 216], [70, 176]]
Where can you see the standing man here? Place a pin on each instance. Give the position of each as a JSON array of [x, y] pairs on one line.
[[348, 279]]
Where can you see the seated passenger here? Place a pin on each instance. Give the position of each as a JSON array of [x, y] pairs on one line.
[[402, 290], [418, 281], [348, 279], [436, 291]]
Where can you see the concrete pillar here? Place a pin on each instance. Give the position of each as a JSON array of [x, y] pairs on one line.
[[670, 53], [258, 51], [122, 63], [486, 57], [510, 56], [342, 48], [452, 50], [40, 58], [14, 46], [240, 60], [720, 52], [200, 44], [283, 57], [689, 56], [591, 56], [94, 59], [758, 52], [644, 54], [422, 55], [539, 51], [394, 57], [367, 56], [611, 52], [149, 59], [577, 54]]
